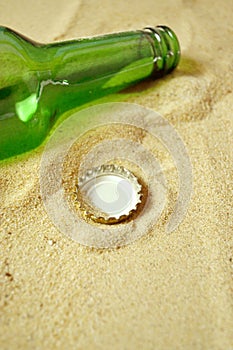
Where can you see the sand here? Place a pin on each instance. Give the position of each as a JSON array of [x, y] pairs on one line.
[[164, 291]]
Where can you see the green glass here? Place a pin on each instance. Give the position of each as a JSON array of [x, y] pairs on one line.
[[40, 82]]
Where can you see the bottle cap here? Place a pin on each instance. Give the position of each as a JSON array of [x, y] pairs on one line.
[[108, 193]]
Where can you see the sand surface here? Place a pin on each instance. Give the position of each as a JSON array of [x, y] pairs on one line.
[[163, 291]]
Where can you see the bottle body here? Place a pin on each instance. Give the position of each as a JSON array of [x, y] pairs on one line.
[[40, 82]]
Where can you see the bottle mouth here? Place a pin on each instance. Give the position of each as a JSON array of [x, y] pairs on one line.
[[166, 49]]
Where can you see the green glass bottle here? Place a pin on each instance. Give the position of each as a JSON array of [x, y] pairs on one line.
[[40, 82]]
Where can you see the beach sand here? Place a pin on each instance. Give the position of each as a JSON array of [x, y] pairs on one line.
[[164, 291]]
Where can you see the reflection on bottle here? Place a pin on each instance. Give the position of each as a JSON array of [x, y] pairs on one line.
[[26, 108]]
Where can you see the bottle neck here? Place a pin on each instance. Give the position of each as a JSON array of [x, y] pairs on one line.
[[82, 70], [136, 54], [78, 61]]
